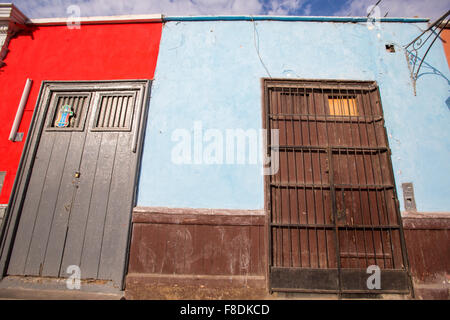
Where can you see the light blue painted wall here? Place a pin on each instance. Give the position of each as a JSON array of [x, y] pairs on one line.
[[210, 71]]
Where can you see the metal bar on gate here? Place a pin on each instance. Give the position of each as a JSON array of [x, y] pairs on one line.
[[269, 204], [384, 189], [335, 148], [312, 176], [320, 118], [368, 194], [329, 155], [313, 94], [363, 94], [360, 195], [274, 218], [288, 191], [355, 226], [296, 175], [280, 213], [304, 178], [335, 207], [352, 142], [142, 104]]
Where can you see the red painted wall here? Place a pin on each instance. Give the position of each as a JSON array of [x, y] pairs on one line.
[[93, 52]]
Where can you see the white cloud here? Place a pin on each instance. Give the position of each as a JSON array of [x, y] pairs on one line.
[[307, 10], [397, 8], [284, 7], [57, 8]]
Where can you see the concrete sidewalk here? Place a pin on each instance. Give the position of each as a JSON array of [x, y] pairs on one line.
[[38, 288], [37, 294]]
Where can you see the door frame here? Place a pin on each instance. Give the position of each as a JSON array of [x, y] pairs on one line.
[[312, 84], [38, 121]]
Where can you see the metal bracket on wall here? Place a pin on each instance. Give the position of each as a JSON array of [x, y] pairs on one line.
[[412, 48], [408, 197], [18, 137], [2, 178]]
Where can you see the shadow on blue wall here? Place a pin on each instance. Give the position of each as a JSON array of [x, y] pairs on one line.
[[428, 69]]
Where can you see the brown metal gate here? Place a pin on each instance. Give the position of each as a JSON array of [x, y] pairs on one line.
[[333, 203]]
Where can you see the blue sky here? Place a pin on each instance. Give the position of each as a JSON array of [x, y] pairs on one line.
[[393, 8]]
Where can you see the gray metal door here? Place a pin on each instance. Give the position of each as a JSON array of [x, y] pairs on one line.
[[77, 204]]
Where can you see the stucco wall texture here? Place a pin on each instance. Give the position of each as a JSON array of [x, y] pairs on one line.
[[210, 72]]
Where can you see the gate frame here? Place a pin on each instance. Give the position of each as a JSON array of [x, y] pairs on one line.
[[313, 84], [11, 219]]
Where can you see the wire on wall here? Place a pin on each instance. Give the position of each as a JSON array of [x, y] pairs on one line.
[[256, 43]]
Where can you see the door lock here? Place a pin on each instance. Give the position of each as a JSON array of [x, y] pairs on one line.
[[77, 174]]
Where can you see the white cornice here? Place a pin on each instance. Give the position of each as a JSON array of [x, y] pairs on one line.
[[10, 13], [101, 19], [11, 20]]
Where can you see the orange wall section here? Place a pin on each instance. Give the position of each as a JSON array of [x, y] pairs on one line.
[[445, 35], [93, 52]]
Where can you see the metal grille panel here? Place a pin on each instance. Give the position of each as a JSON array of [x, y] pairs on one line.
[[115, 112], [78, 105]]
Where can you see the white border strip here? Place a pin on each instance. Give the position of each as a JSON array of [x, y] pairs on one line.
[[100, 19]]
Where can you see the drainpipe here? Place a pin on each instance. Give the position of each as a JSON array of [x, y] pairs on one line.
[[18, 118]]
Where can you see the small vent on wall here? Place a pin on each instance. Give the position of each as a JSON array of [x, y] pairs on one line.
[[115, 112], [408, 197], [390, 48]]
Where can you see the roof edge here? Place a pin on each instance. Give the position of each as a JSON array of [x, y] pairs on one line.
[[99, 19], [10, 13], [292, 18], [162, 18]]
